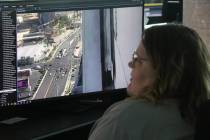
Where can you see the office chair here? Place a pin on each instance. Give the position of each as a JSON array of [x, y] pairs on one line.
[[202, 129]]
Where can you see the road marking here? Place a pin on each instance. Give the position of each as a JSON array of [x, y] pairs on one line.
[[49, 86], [39, 85]]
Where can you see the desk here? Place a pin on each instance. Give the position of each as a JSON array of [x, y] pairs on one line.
[[41, 125], [55, 119]]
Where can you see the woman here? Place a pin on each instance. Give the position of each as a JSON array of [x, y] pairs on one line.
[[170, 71]]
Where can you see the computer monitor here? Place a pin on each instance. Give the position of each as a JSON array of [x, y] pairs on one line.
[[52, 49]]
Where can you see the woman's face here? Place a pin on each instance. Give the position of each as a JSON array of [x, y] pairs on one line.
[[142, 74]]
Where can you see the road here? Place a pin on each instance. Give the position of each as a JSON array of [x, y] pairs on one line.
[[57, 70]]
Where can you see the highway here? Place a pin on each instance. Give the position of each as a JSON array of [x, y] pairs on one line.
[[57, 70]]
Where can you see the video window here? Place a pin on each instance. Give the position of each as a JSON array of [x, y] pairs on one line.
[[49, 51]]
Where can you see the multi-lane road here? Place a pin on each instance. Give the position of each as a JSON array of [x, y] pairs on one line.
[[58, 70]]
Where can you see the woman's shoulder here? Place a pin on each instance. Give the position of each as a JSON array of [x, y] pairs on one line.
[[129, 106], [130, 113], [137, 118], [136, 105], [135, 109]]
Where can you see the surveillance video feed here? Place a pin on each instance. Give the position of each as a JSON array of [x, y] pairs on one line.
[[49, 51]]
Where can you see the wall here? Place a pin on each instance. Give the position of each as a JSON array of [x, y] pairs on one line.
[[196, 14]]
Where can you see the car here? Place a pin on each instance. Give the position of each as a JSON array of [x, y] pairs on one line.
[[73, 69], [58, 56], [63, 73], [37, 67]]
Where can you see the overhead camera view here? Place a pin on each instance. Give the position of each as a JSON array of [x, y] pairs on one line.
[[49, 51]]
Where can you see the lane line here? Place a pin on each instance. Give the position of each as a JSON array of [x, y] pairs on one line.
[[39, 85], [49, 86]]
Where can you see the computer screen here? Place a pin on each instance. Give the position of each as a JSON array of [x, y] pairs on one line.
[[53, 51]]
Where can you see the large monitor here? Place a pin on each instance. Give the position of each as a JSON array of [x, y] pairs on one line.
[[50, 49]]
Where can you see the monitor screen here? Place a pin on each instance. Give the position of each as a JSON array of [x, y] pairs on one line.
[[53, 52]]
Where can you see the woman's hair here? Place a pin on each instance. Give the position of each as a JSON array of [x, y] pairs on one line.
[[181, 61]]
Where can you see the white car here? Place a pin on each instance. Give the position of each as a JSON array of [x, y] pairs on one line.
[[63, 73], [37, 67], [58, 56]]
